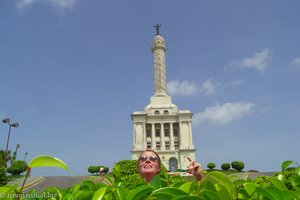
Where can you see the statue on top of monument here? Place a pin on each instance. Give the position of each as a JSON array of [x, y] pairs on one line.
[[157, 26]]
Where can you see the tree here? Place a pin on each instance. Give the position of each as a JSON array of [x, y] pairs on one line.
[[3, 176], [225, 166], [8, 157], [93, 169], [237, 165], [106, 169], [17, 167], [211, 165]]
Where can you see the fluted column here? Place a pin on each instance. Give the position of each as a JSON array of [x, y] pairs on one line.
[[171, 137], [144, 137], [153, 136], [162, 136], [181, 138]]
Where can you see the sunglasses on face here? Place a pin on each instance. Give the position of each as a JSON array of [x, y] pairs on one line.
[[151, 158]]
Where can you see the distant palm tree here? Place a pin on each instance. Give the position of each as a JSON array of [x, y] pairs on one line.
[[8, 157]]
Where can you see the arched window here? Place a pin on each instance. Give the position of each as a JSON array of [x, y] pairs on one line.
[[173, 164], [166, 112], [156, 112]]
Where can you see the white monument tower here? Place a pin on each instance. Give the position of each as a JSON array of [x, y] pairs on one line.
[[161, 126]]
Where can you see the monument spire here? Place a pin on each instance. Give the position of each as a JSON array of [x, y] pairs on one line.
[[159, 64], [162, 126]]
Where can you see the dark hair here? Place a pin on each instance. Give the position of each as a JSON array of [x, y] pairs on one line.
[[150, 150]]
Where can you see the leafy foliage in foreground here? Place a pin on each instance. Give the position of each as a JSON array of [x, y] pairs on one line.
[[285, 185]]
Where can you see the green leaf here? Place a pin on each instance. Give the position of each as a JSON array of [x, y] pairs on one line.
[[223, 179], [47, 161], [77, 193], [238, 183], [120, 194], [297, 170], [264, 193], [210, 195], [54, 191], [138, 192], [243, 194], [250, 188], [223, 192], [168, 193], [187, 187], [188, 198], [85, 195], [275, 192], [285, 164], [297, 181], [99, 194], [297, 192], [155, 182], [68, 196], [277, 183], [75, 187], [108, 196], [289, 195], [178, 184], [162, 196], [90, 185], [208, 185]]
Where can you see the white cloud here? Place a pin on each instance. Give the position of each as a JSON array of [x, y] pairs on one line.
[[176, 87], [296, 63], [209, 87], [258, 61], [58, 4], [185, 88], [223, 114]]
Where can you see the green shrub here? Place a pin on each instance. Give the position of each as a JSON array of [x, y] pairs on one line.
[[93, 169], [225, 166], [211, 165], [17, 167], [96, 169], [106, 169], [181, 170], [3, 176], [237, 165], [124, 168]]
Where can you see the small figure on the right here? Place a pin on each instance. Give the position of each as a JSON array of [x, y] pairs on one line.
[[195, 169]]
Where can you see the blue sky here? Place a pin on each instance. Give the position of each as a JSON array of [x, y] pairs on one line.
[[72, 72]]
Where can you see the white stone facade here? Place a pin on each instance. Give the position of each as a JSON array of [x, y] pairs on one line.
[[161, 126]]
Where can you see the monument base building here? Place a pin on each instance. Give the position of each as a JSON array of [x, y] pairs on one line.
[[162, 127]]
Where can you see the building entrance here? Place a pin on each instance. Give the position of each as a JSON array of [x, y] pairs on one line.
[[173, 164]]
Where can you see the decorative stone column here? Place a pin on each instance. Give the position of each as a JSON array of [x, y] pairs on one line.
[[171, 137], [153, 136], [144, 137], [162, 137]]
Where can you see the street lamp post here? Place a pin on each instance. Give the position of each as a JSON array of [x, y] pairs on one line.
[[15, 125], [15, 154], [25, 156]]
